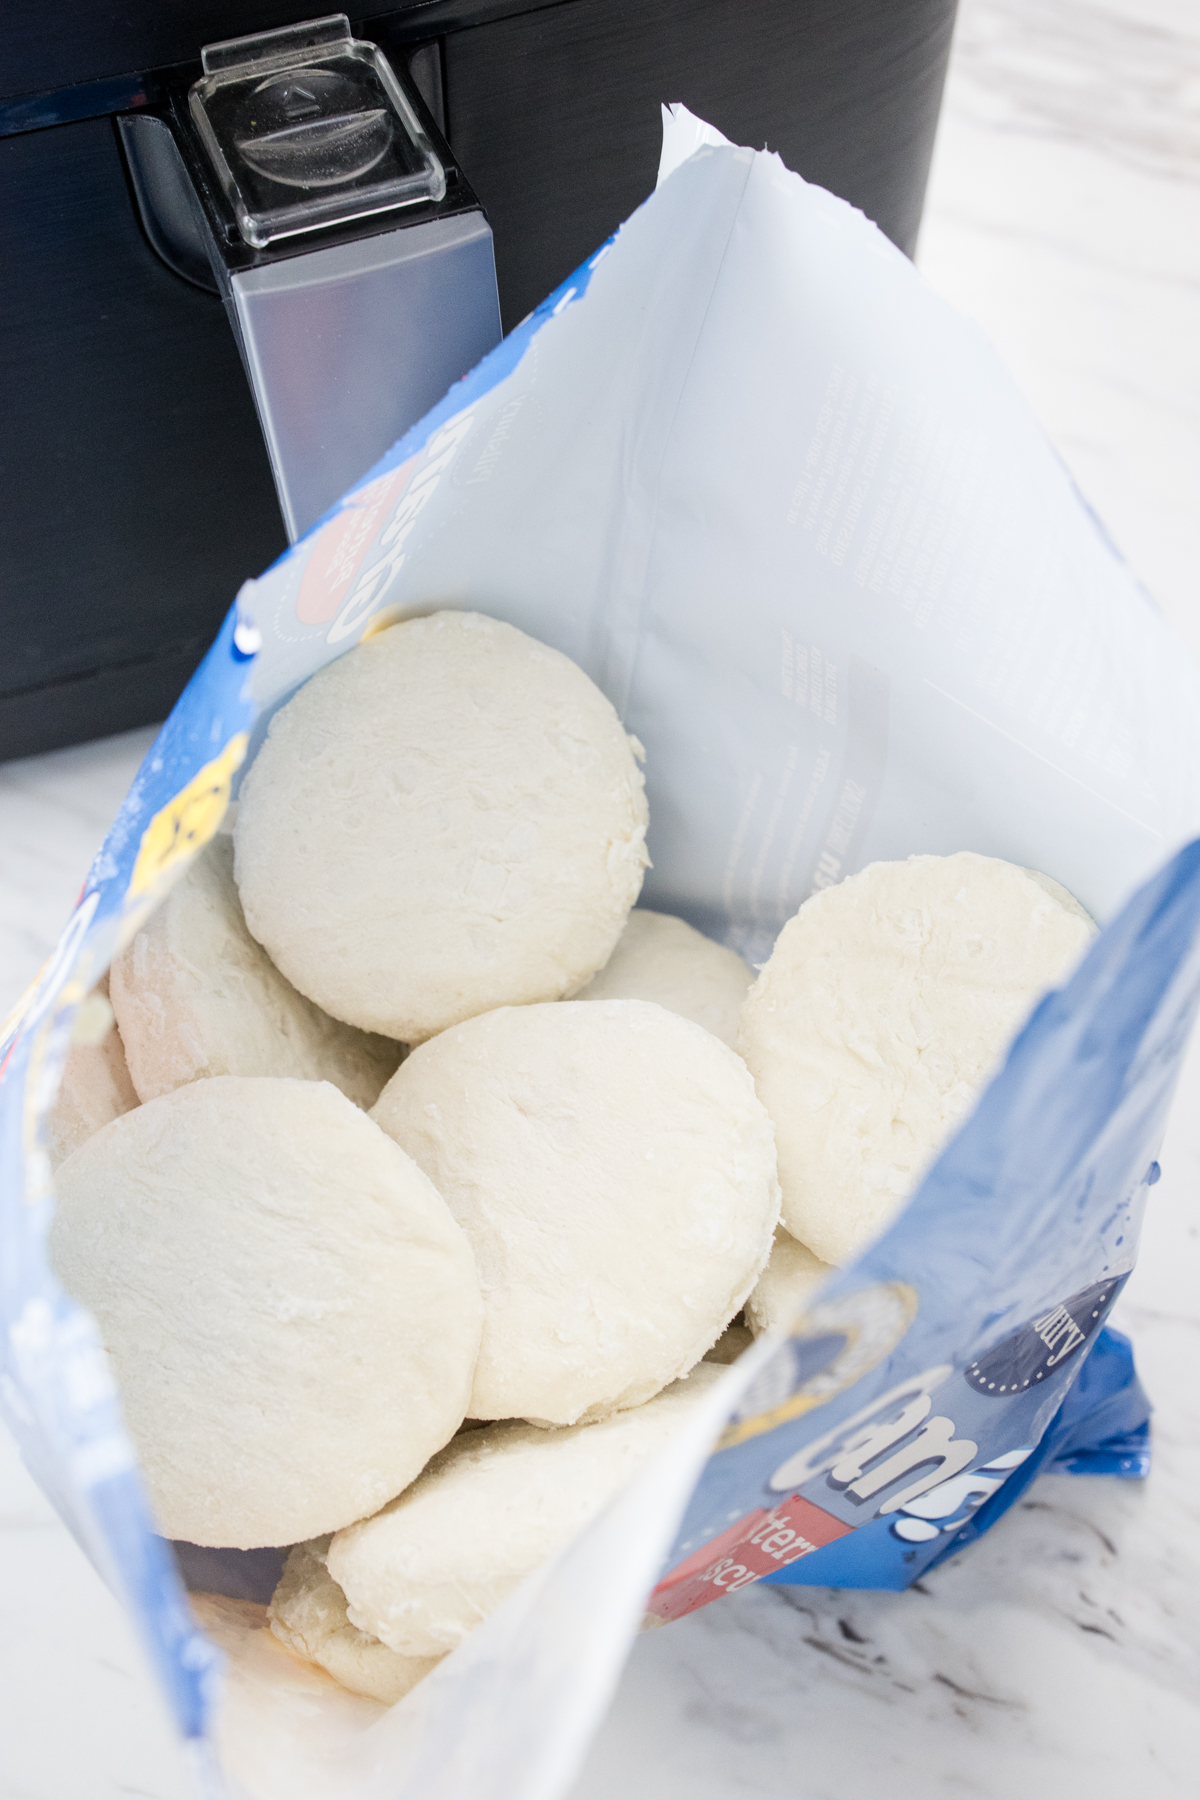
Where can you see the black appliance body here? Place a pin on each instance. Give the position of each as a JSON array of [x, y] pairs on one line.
[[138, 486]]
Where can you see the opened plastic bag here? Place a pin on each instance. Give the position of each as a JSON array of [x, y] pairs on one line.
[[787, 510]]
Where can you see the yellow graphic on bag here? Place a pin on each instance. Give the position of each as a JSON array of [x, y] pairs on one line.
[[185, 824]]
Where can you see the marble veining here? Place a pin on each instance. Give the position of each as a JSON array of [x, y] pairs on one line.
[[1063, 1652], [1120, 79], [1064, 216]]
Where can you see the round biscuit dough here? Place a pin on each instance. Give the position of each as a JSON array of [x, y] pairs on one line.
[[614, 1172], [195, 996], [783, 1288], [489, 1510], [886, 1005], [308, 1614], [292, 1313], [447, 819], [664, 959]]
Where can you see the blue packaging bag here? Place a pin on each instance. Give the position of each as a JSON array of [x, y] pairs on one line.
[[789, 512]]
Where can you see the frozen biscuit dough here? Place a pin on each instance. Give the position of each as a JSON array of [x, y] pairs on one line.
[[885, 1006], [614, 1172], [95, 1089], [292, 1313], [196, 996], [308, 1614], [792, 1274], [489, 1510], [448, 819], [663, 959]]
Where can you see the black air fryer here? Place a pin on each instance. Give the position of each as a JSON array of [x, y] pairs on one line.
[[244, 247]]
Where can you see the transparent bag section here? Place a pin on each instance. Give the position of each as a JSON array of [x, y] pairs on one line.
[[307, 128]]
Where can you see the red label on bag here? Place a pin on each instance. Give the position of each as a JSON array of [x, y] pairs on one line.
[[760, 1544], [338, 553]]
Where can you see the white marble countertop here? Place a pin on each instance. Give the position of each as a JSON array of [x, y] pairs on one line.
[[1063, 1651]]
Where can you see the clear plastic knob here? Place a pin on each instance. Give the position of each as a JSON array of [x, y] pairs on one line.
[[307, 128]]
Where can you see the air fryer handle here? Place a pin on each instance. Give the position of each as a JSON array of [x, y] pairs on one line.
[[347, 346], [347, 337]]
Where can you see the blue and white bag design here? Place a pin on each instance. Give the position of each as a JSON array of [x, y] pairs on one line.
[[788, 511]]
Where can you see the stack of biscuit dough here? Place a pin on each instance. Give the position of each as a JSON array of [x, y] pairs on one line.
[[421, 1183]]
